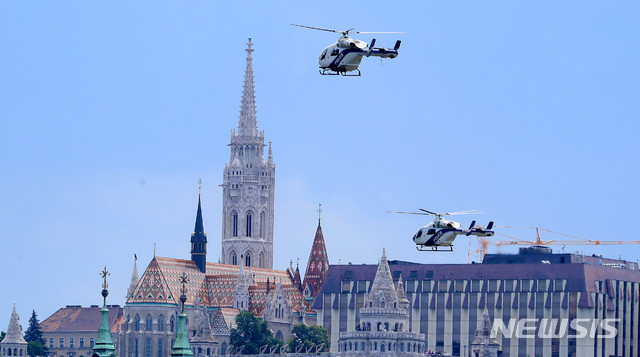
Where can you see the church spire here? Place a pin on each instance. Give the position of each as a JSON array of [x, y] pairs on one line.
[[199, 238], [247, 124], [134, 277], [318, 263], [104, 346]]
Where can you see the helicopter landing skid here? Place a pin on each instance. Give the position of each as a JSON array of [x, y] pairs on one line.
[[331, 72], [434, 249], [325, 73]]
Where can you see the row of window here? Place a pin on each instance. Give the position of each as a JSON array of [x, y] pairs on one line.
[[384, 346], [248, 224], [160, 351], [492, 285], [72, 342], [247, 259], [148, 326], [13, 352]]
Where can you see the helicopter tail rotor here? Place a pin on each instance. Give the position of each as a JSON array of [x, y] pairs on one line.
[[473, 223], [373, 43]]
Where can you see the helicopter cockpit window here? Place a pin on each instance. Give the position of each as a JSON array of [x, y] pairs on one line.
[[431, 231], [324, 54], [335, 52], [419, 234]]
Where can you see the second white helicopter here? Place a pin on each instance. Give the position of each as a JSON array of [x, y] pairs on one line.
[[441, 233], [345, 55]]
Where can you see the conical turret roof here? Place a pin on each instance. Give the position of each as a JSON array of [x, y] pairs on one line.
[[318, 263], [383, 294], [247, 123], [14, 331]]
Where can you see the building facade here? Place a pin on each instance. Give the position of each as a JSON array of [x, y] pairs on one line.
[[71, 331], [248, 187], [447, 301]]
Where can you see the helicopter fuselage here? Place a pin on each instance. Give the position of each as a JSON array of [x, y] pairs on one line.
[[442, 233], [346, 54]]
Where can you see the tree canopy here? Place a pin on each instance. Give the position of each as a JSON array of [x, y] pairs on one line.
[[2, 334], [251, 334], [33, 336], [305, 337]]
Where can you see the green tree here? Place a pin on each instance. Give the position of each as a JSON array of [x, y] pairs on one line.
[[2, 334], [251, 334], [308, 337], [36, 344]]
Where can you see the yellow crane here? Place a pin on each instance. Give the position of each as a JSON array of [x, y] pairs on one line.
[[484, 243]]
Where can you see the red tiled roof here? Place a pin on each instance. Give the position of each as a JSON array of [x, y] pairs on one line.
[[76, 318]]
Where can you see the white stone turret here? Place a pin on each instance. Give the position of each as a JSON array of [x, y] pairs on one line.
[[241, 293], [248, 187], [13, 343]]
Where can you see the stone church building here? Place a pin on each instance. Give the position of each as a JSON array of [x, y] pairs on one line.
[[243, 280]]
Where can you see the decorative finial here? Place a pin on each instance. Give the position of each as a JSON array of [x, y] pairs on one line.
[[249, 49], [184, 280], [135, 257], [104, 273], [183, 297], [291, 264], [199, 186], [154, 250], [297, 263], [319, 211]]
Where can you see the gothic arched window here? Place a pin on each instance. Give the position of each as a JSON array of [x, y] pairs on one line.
[[149, 323], [171, 323], [161, 323], [261, 260], [234, 220], [136, 322], [262, 217], [247, 259], [248, 230], [234, 258]]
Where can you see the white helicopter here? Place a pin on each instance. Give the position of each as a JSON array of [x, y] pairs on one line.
[[441, 232], [346, 54]]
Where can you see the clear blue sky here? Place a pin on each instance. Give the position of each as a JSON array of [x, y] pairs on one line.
[[110, 112]]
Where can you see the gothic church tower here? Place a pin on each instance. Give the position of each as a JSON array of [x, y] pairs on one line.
[[248, 187]]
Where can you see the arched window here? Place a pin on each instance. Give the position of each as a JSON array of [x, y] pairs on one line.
[[234, 258], [161, 323], [262, 217], [223, 348], [136, 322], [261, 260], [382, 304], [248, 229], [148, 324], [234, 220], [147, 347], [160, 348], [247, 259], [171, 323]]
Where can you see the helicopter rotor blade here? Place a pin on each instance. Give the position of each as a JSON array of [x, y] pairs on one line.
[[418, 213], [374, 32], [428, 212], [319, 28]]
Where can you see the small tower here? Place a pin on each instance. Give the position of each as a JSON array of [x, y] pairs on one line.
[[104, 346], [318, 263], [199, 238], [484, 345], [241, 293], [134, 277], [181, 347], [13, 343], [297, 280]]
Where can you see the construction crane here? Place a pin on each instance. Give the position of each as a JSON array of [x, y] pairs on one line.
[[484, 243]]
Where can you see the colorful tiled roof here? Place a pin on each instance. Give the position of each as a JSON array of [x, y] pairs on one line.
[[318, 264], [160, 284]]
